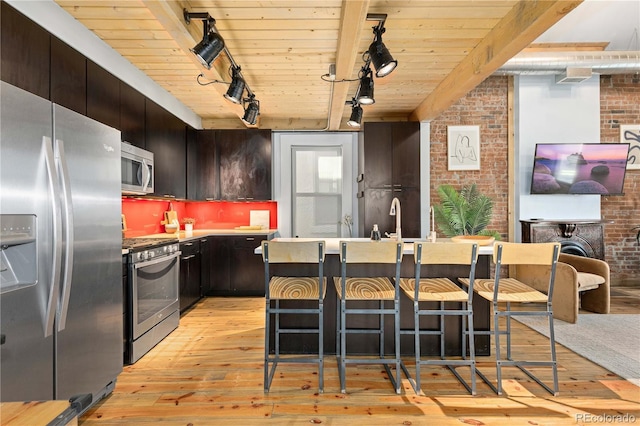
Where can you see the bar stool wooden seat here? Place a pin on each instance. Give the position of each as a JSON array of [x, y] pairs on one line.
[[369, 288], [442, 290], [503, 292], [281, 288]]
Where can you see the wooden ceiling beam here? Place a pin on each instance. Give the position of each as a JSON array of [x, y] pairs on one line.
[[171, 17], [522, 25], [352, 19]]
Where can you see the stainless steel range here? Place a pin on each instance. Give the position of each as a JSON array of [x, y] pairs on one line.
[[151, 297]]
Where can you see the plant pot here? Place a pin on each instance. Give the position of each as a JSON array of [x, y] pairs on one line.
[[188, 227]]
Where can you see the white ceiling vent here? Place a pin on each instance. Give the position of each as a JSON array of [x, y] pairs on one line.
[[574, 75]]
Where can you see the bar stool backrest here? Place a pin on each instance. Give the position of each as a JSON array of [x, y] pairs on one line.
[[370, 252], [526, 254], [293, 251], [449, 253]]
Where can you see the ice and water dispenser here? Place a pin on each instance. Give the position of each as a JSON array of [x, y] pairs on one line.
[[18, 255]]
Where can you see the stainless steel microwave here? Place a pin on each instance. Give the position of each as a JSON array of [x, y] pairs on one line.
[[137, 170]]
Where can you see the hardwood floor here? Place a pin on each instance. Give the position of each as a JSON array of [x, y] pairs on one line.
[[209, 372]]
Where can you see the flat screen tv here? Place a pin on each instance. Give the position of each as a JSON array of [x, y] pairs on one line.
[[579, 168]]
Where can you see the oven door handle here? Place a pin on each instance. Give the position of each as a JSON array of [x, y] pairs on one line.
[[156, 260]]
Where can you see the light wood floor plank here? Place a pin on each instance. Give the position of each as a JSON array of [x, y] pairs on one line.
[[209, 372]]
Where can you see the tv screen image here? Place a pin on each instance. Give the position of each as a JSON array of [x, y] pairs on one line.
[[579, 168]]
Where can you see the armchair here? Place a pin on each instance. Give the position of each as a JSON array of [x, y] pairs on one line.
[[581, 282]]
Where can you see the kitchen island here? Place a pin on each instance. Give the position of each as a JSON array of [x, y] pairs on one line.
[[368, 344]]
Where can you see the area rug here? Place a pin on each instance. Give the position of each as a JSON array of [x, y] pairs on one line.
[[611, 341]]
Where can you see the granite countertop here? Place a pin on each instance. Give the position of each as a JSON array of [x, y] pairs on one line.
[[333, 244]]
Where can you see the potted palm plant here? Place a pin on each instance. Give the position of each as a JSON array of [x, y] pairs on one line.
[[464, 212]]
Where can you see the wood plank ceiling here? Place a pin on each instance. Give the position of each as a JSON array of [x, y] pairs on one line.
[[443, 48]]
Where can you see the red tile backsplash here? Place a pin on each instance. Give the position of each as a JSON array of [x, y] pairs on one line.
[[143, 216]]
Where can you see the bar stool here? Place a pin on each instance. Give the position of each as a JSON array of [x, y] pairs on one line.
[[370, 288], [503, 292], [279, 288], [443, 290]]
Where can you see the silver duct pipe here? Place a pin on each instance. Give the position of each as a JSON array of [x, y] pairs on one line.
[[539, 63]]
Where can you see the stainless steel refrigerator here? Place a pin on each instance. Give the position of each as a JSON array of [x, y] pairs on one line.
[[60, 251]]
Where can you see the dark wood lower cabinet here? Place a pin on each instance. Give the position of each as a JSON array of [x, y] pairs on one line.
[[234, 269], [189, 274]]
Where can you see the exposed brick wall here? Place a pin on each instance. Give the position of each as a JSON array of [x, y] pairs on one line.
[[620, 104], [485, 106]]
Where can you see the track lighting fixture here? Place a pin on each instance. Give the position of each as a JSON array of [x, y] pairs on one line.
[[365, 89], [212, 43], [207, 51], [356, 114], [251, 111], [236, 88], [382, 60]]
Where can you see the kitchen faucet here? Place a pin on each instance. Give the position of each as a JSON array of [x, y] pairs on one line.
[[396, 211]]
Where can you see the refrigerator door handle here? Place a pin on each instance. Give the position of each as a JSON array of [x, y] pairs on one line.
[[67, 208], [146, 175], [52, 175]]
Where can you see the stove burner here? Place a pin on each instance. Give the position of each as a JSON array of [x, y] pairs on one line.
[[145, 243]]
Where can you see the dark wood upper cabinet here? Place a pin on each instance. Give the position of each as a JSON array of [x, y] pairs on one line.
[[233, 165], [68, 77], [208, 166], [377, 153], [132, 115], [166, 138], [406, 154], [25, 52], [192, 163], [103, 95], [245, 164], [391, 154]]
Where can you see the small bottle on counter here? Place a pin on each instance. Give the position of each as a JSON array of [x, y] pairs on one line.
[[375, 233]]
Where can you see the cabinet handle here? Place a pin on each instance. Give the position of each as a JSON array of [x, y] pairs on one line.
[[209, 199], [397, 189], [397, 184], [250, 238], [249, 198], [169, 196], [188, 244], [188, 257], [386, 185], [360, 194], [203, 241], [360, 178]]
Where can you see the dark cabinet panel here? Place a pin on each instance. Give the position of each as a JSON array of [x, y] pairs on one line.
[[166, 138], [132, 115], [390, 162], [192, 163], [246, 267], [205, 266], [219, 266], [377, 152], [190, 263], [235, 270], [103, 95], [68, 77], [208, 166], [245, 164], [378, 202], [406, 154], [25, 52], [233, 165], [410, 206]]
